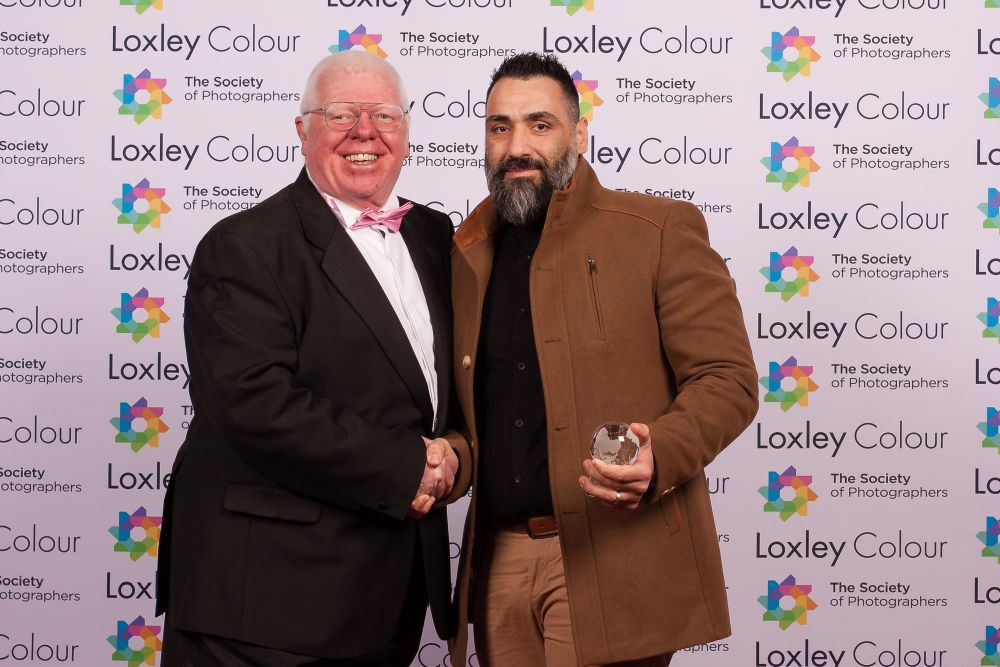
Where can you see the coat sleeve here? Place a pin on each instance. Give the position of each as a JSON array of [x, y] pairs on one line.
[[456, 433], [463, 480], [459, 438], [705, 341], [243, 350]]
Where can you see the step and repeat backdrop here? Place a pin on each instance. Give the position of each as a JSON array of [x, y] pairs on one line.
[[844, 152]]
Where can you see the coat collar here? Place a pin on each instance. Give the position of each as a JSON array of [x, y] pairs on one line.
[[581, 191]]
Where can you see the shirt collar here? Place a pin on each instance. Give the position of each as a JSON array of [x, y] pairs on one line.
[[346, 213]]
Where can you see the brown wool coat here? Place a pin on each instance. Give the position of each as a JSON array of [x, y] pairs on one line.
[[655, 335]]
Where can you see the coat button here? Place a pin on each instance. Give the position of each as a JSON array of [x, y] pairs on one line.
[[466, 362]]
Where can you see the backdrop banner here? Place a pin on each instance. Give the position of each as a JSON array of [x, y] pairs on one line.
[[846, 154]]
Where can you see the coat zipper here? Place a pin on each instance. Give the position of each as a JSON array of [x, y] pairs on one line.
[[595, 295]]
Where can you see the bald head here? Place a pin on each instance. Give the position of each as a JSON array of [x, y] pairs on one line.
[[353, 62]]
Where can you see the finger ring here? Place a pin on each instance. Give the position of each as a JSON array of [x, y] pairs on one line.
[[618, 495]]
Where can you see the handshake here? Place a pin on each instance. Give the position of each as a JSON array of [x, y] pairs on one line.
[[439, 476]]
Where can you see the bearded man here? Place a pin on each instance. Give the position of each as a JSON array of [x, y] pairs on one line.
[[577, 305]]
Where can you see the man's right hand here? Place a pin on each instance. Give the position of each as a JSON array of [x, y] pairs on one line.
[[438, 477]]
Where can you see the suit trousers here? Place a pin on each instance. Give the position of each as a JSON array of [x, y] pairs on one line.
[[521, 609], [194, 649]]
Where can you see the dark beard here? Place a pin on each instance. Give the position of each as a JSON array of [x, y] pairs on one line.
[[519, 201]]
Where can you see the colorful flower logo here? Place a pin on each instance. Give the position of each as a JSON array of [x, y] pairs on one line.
[[991, 209], [790, 54], [989, 645], [799, 594], [125, 422], [125, 542], [146, 196], [132, 305], [991, 318], [991, 98], [360, 37], [790, 261], [991, 429], [588, 98], [151, 643], [989, 538], [573, 6], [797, 173], [799, 376], [144, 85], [790, 479], [141, 5]]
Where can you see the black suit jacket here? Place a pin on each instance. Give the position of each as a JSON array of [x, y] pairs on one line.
[[285, 523]]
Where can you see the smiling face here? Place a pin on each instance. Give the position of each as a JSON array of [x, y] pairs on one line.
[[532, 144], [358, 166]]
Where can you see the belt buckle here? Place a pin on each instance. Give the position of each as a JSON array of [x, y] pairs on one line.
[[540, 527]]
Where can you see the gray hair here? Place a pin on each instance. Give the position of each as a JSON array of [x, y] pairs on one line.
[[351, 61]]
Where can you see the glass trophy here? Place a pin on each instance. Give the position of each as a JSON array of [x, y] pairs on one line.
[[615, 443]]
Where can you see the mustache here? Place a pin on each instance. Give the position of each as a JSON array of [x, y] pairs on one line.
[[518, 164]]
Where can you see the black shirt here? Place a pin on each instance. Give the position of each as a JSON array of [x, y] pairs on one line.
[[510, 407]]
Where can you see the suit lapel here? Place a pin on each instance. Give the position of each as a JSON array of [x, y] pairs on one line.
[[350, 274], [431, 269]]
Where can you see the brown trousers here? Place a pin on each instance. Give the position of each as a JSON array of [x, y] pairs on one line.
[[521, 610]]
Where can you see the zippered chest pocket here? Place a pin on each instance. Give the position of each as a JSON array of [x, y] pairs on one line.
[[595, 297]]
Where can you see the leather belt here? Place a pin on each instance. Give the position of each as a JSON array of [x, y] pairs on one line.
[[536, 527]]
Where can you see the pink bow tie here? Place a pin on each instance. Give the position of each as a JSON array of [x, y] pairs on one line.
[[391, 218]]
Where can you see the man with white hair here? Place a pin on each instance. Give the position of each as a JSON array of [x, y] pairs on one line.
[[300, 526]]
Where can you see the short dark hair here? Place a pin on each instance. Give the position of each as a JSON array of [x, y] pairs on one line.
[[529, 65]]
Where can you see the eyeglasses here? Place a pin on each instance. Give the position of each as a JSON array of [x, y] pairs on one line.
[[345, 115]]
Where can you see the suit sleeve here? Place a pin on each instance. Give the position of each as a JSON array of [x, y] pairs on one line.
[[242, 346], [706, 345]]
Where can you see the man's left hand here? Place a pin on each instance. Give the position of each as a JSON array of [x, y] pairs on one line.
[[621, 487]]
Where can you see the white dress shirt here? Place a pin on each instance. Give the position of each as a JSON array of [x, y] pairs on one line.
[[387, 256]]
